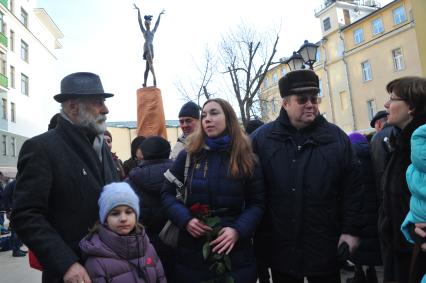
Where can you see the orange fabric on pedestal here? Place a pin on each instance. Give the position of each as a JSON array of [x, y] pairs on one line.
[[151, 120]]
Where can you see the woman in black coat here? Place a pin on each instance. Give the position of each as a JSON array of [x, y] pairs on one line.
[[407, 111], [147, 180], [368, 252], [223, 181]]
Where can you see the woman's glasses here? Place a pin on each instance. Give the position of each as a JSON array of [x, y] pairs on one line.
[[392, 99], [303, 99]]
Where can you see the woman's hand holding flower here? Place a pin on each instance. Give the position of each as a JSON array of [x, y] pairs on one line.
[[197, 228], [225, 241]]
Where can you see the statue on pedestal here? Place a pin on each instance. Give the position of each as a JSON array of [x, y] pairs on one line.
[[148, 47]]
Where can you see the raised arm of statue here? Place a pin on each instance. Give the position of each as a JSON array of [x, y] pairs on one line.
[[158, 21], [139, 19]]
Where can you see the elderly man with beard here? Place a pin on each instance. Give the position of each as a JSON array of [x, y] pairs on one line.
[[60, 176]]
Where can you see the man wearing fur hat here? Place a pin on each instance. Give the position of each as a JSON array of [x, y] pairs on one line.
[[313, 189], [189, 116], [60, 176]]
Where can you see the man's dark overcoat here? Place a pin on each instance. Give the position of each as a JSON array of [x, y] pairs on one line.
[[59, 180], [314, 195]]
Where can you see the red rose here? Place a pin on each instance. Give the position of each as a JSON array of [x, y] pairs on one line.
[[199, 209]]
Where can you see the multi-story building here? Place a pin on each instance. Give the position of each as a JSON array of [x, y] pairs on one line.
[[28, 39], [364, 46]]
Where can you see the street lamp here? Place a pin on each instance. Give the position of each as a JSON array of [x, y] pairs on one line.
[[295, 62], [308, 51], [307, 54]]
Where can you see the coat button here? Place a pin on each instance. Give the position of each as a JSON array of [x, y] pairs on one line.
[[294, 160], [293, 189]]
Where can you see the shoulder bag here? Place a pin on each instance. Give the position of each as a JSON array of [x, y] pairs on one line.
[[170, 232]]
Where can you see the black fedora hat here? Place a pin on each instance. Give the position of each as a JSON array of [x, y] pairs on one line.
[[81, 84], [379, 115]]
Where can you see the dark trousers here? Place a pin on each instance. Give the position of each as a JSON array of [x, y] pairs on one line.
[[2, 218], [15, 241], [278, 277]]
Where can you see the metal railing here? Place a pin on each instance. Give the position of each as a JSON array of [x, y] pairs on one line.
[[4, 3], [4, 81], [327, 3], [3, 39]]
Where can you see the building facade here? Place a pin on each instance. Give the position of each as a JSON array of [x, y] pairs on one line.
[[28, 40], [364, 46]]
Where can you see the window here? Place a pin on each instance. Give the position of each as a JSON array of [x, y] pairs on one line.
[[24, 84], [266, 83], [318, 55], [12, 76], [398, 59], [366, 71], [12, 40], [358, 36], [13, 145], [275, 78], [320, 94], [399, 15], [378, 26], [24, 17], [326, 24], [12, 6], [2, 24], [12, 112], [24, 51], [4, 107], [3, 63], [4, 145], [283, 71], [371, 108]]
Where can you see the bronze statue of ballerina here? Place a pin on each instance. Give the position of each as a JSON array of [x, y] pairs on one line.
[[148, 47]]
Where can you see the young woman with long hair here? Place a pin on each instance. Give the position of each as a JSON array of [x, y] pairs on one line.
[[225, 180]]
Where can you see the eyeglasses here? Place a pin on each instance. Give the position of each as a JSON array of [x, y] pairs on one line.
[[392, 99], [303, 99]]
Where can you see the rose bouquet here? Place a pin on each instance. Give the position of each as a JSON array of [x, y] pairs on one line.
[[220, 263]]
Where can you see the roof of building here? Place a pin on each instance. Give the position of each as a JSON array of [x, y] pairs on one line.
[[133, 124], [370, 15]]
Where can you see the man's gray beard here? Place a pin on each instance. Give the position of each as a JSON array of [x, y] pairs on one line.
[[87, 121]]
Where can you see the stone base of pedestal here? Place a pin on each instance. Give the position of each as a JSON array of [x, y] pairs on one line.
[[151, 120]]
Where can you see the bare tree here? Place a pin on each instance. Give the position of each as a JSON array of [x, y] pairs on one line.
[[200, 88], [244, 59], [247, 59]]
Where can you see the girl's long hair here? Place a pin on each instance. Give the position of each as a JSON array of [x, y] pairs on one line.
[[242, 158]]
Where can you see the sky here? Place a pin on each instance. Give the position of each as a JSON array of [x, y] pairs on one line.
[[103, 36]]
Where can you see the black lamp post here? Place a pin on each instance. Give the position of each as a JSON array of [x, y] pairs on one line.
[[295, 62], [307, 54]]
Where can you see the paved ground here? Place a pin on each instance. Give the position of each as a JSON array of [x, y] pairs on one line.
[[17, 269]]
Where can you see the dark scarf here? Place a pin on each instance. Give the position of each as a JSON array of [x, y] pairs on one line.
[[220, 143]]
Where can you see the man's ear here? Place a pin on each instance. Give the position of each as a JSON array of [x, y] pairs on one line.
[[285, 102]]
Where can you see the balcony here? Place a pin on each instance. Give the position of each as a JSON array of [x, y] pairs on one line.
[[4, 81], [3, 39], [4, 3]]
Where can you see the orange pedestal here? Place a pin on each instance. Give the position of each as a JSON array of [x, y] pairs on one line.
[[151, 120]]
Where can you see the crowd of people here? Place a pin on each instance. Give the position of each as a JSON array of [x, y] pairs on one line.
[[293, 199]]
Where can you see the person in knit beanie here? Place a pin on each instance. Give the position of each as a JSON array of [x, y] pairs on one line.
[[189, 120], [117, 249]]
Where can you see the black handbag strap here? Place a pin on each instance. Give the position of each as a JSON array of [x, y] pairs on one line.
[[181, 192]]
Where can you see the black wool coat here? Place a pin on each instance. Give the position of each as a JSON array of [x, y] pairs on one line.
[[59, 180], [313, 194], [396, 250], [368, 252]]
